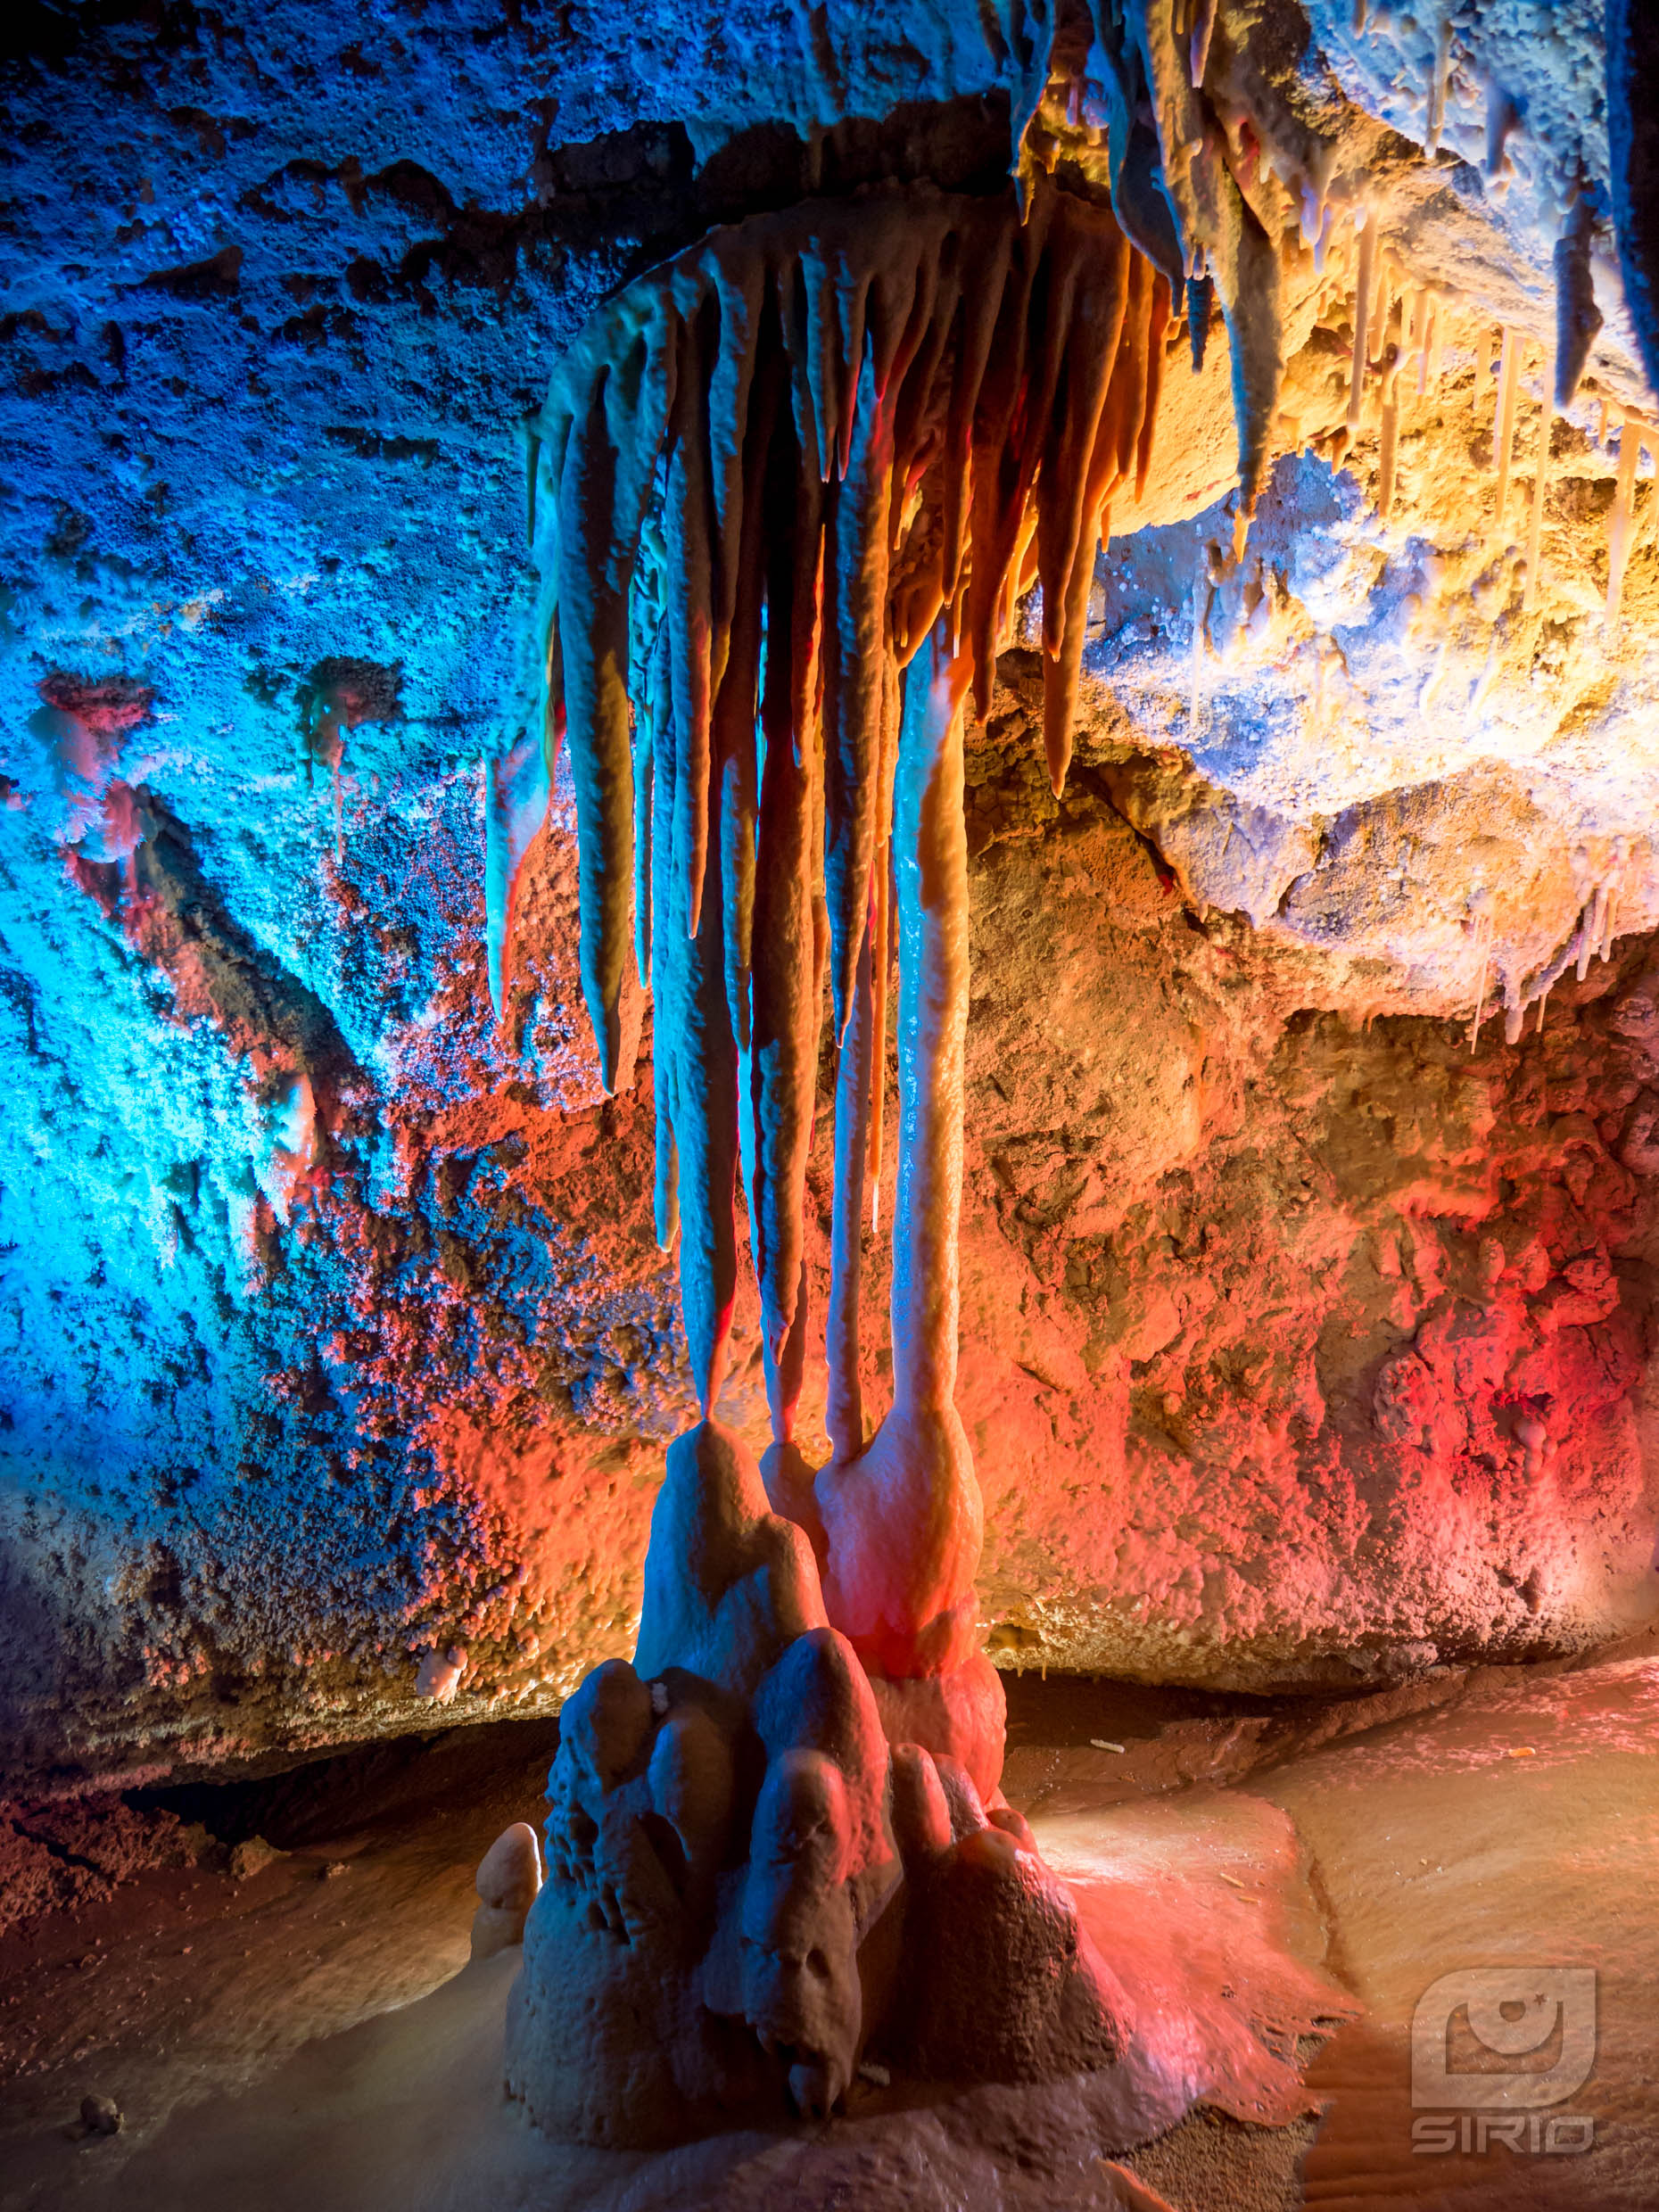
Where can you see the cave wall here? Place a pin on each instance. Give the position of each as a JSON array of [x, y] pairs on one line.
[[1303, 1343]]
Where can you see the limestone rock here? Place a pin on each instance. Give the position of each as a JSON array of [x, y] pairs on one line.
[[509, 1876]]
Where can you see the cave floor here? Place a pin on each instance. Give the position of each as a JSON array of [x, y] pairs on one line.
[[304, 2035]]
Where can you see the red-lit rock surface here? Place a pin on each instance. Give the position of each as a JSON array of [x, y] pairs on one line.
[[1297, 1348]]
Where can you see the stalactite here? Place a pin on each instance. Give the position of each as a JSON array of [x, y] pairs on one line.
[[767, 476], [844, 1417], [1414, 342], [665, 952], [1383, 309], [1364, 279], [883, 296], [1217, 233], [609, 460], [1201, 593], [1578, 319], [1202, 30], [908, 1607], [1621, 861], [1591, 925], [1501, 119], [516, 801], [1439, 83], [1315, 216], [1200, 303], [881, 898], [1388, 443]]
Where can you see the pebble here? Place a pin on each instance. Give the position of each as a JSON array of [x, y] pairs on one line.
[[252, 1856], [101, 2115]]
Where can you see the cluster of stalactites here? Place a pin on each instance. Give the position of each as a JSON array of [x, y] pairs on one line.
[[1201, 187], [765, 472]]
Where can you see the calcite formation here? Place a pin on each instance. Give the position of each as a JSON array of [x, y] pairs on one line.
[[813, 454], [751, 1892], [951, 429], [844, 429]]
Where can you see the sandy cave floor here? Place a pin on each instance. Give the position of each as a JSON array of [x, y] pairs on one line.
[[309, 2037]]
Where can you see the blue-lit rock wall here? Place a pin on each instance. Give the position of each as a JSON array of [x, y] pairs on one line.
[[281, 285]]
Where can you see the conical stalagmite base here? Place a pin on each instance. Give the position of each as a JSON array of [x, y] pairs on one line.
[[751, 1891]]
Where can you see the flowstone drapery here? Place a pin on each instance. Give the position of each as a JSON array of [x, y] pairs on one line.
[[786, 491]]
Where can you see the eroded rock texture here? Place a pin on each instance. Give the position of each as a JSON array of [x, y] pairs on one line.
[[337, 1356]]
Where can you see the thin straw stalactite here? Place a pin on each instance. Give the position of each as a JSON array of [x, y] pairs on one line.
[[1364, 280]]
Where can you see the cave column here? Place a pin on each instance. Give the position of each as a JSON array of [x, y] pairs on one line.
[[930, 849], [903, 1521]]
